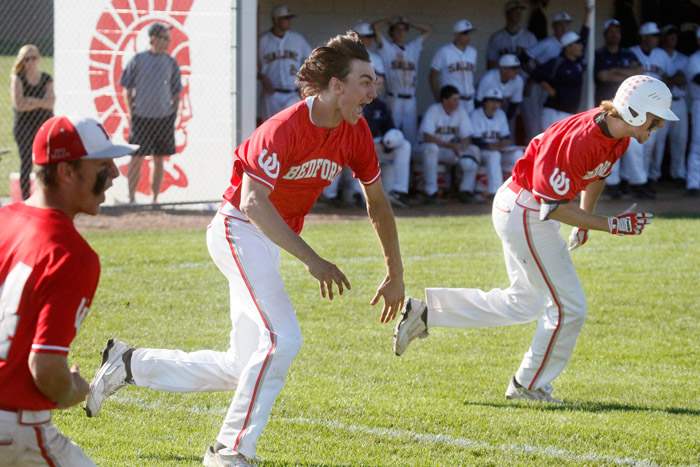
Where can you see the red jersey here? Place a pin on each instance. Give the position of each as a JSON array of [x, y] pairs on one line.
[[559, 163], [298, 159], [48, 276]]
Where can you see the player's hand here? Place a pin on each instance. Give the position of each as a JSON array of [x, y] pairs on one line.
[[327, 273], [80, 389], [577, 238], [629, 222], [393, 292]]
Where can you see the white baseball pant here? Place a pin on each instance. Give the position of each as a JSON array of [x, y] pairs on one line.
[[543, 287], [469, 165], [433, 155], [678, 134], [550, 116], [403, 111], [693, 175], [29, 438], [396, 167], [278, 101], [264, 339], [531, 109], [491, 160]]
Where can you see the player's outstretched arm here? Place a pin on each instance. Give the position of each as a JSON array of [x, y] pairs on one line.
[[256, 205], [382, 218], [56, 381]]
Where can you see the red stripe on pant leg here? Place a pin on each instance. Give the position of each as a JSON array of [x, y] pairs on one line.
[[554, 297], [267, 326], [42, 448]]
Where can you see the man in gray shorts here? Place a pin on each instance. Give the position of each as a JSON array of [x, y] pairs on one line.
[[152, 86]]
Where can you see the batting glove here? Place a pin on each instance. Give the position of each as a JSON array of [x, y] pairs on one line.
[[577, 238], [629, 222]]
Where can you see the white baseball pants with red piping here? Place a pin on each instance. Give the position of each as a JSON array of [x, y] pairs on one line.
[[264, 339], [543, 287]]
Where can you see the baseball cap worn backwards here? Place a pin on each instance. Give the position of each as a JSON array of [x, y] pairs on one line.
[[63, 139]]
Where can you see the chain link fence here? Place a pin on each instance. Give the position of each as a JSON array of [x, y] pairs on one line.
[[158, 73]]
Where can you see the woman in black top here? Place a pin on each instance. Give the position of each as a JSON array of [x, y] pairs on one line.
[[32, 101]]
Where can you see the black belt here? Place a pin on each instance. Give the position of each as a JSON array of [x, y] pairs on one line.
[[466, 98], [285, 91], [401, 96]]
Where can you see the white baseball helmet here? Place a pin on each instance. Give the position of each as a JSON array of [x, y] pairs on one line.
[[393, 139], [639, 95]]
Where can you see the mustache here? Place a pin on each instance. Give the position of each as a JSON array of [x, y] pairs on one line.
[[100, 182]]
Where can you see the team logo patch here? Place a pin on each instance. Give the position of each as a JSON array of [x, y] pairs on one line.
[[601, 171], [559, 182], [121, 32], [269, 164]]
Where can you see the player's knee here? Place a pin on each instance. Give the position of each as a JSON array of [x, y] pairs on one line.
[[576, 309], [288, 344], [468, 163]]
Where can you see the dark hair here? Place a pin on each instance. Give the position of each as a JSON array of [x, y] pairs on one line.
[[332, 60], [448, 91], [46, 174]]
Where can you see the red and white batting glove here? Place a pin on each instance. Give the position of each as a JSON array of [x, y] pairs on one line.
[[629, 222], [577, 238]]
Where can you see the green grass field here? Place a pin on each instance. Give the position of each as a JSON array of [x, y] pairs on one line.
[[631, 387], [10, 161]]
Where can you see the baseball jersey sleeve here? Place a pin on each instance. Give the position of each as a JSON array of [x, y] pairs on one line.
[[261, 156], [176, 80], [415, 47], [438, 59], [465, 124], [364, 162], [65, 294], [429, 122]]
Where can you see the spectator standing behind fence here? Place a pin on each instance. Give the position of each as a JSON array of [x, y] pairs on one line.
[[513, 39], [692, 73], [49, 274], [562, 80], [507, 80], [280, 54], [446, 131], [32, 96], [613, 65], [401, 65], [491, 134], [152, 86], [677, 132], [454, 64]]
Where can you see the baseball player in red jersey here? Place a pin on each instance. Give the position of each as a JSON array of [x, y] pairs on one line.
[[572, 157], [48, 276], [278, 173]]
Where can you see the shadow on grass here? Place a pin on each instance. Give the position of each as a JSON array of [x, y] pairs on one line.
[[587, 406]]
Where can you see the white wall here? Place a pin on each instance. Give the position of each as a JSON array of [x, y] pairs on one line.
[[319, 20]]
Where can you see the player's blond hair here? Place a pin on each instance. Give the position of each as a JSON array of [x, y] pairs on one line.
[[332, 60], [18, 67], [609, 108]]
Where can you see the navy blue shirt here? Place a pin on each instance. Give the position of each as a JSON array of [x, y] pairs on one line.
[[378, 117], [566, 77], [605, 60]]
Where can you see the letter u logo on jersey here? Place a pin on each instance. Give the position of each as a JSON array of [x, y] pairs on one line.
[[269, 164], [559, 181]]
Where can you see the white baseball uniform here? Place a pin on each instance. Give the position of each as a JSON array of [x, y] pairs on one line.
[[692, 70], [503, 42], [677, 131], [512, 90], [456, 67], [533, 103], [544, 286], [491, 130], [448, 128], [280, 58], [401, 66], [635, 166]]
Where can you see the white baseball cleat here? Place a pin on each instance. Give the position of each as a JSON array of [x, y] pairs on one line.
[[517, 391], [413, 324], [213, 458], [111, 376]]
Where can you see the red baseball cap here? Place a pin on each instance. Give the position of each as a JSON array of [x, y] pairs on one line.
[[62, 139]]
